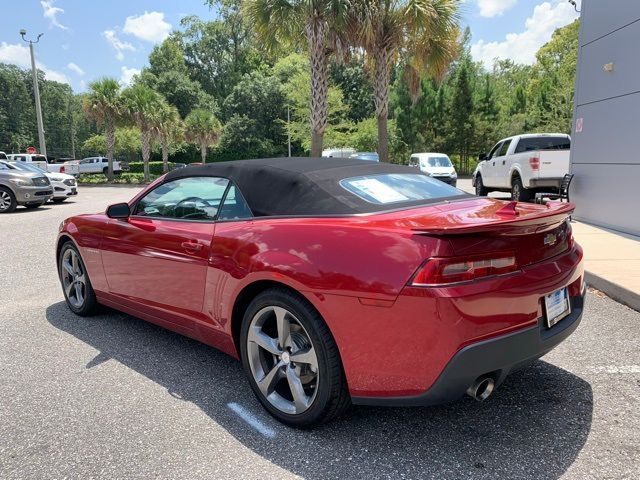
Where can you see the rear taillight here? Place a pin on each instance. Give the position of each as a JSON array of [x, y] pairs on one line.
[[534, 162], [443, 271], [62, 169]]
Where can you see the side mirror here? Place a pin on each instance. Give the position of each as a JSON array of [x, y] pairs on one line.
[[483, 156], [118, 210]]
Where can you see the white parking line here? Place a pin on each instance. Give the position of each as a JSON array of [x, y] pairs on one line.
[[252, 420]]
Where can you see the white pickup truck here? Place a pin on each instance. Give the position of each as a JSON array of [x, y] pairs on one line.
[[98, 165], [524, 164], [70, 168]]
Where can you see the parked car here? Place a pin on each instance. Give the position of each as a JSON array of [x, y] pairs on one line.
[[22, 188], [3, 156], [524, 165], [338, 152], [369, 156], [70, 168], [436, 165], [98, 165], [335, 281], [64, 186]]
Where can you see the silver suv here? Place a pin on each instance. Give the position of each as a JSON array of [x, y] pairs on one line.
[[22, 188]]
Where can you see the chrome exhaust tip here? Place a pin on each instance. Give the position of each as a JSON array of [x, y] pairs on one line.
[[481, 389]]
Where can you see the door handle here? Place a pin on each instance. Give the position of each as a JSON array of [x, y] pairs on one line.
[[503, 162], [192, 247], [494, 164]]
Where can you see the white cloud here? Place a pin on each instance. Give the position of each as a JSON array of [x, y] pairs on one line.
[[150, 26], [118, 44], [127, 74], [492, 8], [75, 68], [51, 13], [18, 54], [521, 47]]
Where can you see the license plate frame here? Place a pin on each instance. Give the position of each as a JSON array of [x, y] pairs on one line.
[[557, 306]]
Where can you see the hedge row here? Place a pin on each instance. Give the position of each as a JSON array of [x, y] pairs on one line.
[[155, 168]]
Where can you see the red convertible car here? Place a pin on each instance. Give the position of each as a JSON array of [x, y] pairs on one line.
[[335, 281]]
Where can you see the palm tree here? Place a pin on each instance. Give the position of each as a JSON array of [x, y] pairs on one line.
[[320, 24], [203, 128], [103, 105], [424, 33], [168, 129], [142, 105]]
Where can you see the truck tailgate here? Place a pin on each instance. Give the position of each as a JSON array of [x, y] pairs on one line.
[[553, 163], [71, 168]]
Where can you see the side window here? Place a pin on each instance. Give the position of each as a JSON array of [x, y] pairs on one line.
[[495, 150], [235, 206], [504, 149], [191, 198]]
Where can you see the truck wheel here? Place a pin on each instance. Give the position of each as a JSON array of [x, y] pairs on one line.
[[105, 170], [518, 192], [481, 190], [7, 200]]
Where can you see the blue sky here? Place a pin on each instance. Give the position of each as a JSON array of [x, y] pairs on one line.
[[84, 40]]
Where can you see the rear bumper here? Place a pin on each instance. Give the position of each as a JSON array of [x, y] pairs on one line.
[[495, 357], [545, 183]]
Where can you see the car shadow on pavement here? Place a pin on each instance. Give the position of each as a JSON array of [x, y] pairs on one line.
[[534, 426]]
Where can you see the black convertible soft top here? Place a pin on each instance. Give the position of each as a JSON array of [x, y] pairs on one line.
[[298, 186]]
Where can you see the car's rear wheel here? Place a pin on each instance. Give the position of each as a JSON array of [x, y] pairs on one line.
[[7, 200], [481, 190], [518, 192], [291, 360], [78, 292]]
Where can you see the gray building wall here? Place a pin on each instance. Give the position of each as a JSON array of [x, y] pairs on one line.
[[605, 150]]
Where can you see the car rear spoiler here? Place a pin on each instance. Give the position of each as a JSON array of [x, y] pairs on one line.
[[511, 218]]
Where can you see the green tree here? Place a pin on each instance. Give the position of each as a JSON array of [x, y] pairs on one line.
[[103, 104], [142, 106], [168, 130], [319, 24], [202, 128], [127, 145], [462, 108]]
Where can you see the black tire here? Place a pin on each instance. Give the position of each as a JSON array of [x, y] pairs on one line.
[[8, 203], [32, 206], [90, 304], [331, 395], [481, 190], [105, 170], [518, 192], [58, 200]]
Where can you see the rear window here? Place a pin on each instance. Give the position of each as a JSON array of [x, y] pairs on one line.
[[543, 143], [392, 188]]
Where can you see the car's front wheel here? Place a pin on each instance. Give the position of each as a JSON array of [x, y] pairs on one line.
[[291, 360], [78, 292], [7, 200]]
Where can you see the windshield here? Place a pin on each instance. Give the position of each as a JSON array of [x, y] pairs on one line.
[[4, 166], [389, 188], [439, 162], [28, 168]]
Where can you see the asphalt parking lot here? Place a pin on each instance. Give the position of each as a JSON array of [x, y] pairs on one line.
[[115, 397]]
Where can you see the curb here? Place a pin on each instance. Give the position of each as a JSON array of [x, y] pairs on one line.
[[116, 185], [613, 290]]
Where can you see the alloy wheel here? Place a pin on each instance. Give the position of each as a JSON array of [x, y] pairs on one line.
[[74, 280], [283, 360], [5, 200]]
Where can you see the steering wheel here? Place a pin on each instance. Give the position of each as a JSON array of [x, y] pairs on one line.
[[195, 201]]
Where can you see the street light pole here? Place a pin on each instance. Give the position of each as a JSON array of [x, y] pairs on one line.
[[36, 91]]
